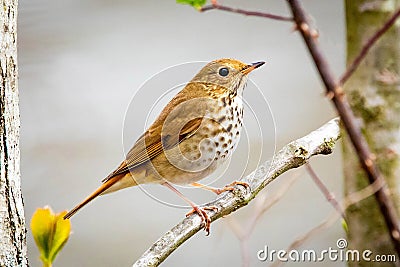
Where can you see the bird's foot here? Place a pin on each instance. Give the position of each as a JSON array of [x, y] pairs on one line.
[[203, 215], [230, 187], [218, 191]]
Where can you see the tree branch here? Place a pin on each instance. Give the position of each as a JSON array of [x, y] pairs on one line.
[[367, 46], [293, 155], [335, 92], [216, 5]]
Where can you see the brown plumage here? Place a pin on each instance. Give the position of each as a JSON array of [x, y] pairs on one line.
[[191, 137]]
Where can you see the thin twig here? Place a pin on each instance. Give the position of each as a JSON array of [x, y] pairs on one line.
[[349, 122], [367, 46], [218, 6], [293, 155], [362, 194], [325, 191]]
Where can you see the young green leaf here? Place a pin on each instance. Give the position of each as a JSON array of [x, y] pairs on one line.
[[194, 3], [50, 232], [345, 226]]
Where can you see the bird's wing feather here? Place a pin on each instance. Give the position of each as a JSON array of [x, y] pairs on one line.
[[152, 144], [181, 112]]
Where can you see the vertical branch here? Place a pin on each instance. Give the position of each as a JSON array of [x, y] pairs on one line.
[[12, 221], [335, 92]]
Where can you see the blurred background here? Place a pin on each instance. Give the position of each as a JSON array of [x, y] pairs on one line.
[[83, 68]]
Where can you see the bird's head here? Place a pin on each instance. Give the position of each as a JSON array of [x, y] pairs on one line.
[[225, 75]]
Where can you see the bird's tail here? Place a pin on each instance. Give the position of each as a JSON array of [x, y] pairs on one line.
[[106, 185]]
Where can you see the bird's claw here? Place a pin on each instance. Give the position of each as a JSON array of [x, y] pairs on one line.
[[203, 215], [230, 187]]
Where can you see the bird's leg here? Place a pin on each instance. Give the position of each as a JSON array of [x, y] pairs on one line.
[[209, 188], [229, 187], [196, 209]]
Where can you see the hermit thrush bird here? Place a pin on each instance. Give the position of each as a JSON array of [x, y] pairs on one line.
[[195, 133]]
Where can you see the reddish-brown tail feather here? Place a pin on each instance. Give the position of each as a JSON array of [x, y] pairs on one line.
[[96, 193]]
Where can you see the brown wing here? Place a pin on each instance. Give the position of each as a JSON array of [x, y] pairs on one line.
[[156, 143], [185, 112]]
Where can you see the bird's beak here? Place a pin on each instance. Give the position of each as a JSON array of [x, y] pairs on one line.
[[251, 67]]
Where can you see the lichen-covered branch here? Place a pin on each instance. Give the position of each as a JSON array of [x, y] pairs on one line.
[[293, 155]]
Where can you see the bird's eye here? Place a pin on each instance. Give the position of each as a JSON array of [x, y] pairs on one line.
[[223, 72]]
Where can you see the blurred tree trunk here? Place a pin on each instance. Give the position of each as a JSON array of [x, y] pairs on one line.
[[12, 221], [374, 94]]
